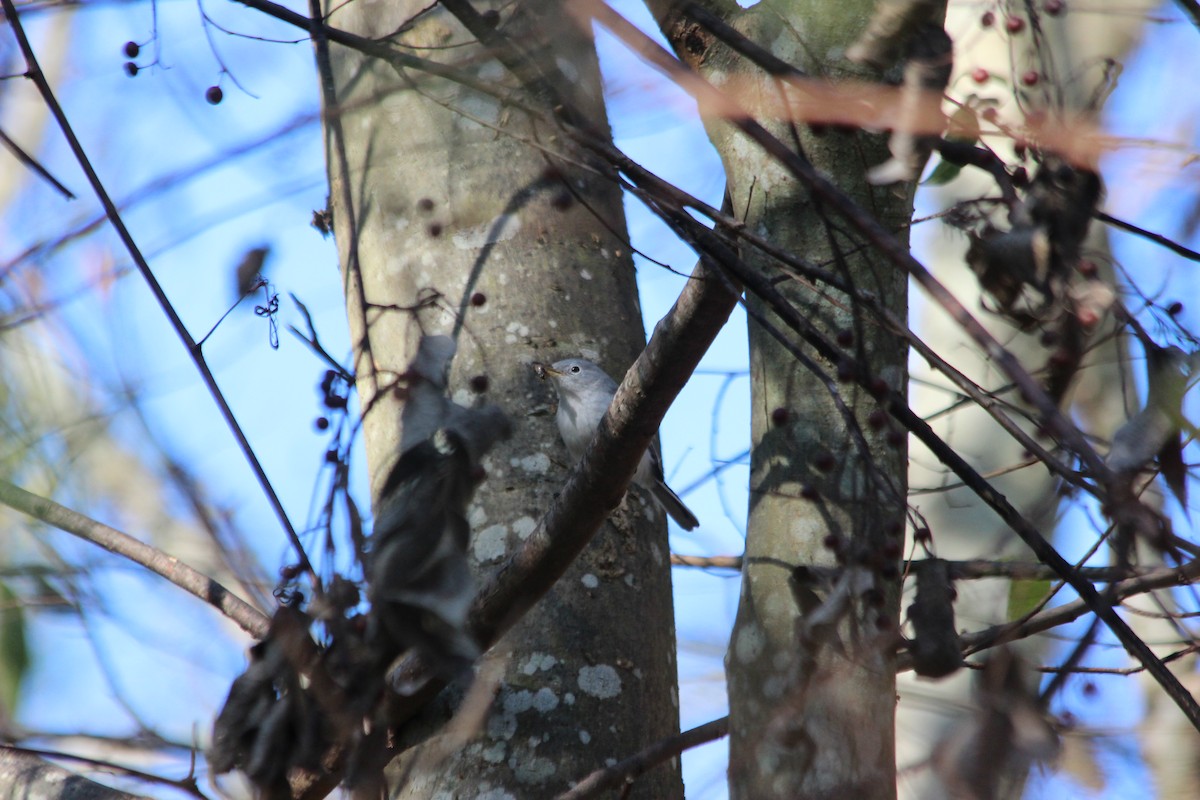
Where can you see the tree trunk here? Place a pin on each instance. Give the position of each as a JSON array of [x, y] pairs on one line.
[[962, 525], [455, 214], [811, 716]]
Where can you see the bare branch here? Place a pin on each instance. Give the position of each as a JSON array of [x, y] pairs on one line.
[[25, 774], [1172, 245], [246, 616], [33, 164], [624, 773]]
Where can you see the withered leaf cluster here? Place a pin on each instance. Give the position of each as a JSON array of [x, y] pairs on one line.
[[296, 696]]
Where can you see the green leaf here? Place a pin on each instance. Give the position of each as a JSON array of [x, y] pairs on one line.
[[964, 125], [1025, 596], [942, 174], [14, 650]]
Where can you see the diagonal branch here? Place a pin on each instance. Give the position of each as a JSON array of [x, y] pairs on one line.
[[245, 615], [624, 773], [34, 73], [26, 775], [594, 487], [33, 164]]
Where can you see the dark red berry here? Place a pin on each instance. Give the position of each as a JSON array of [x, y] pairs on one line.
[[824, 461], [131, 68], [877, 419], [562, 201], [478, 299], [435, 229], [1055, 7], [980, 75], [289, 572], [896, 438], [321, 423], [809, 492], [990, 114], [479, 384], [845, 371], [988, 19], [832, 542], [878, 388], [132, 49], [845, 338], [1014, 24], [214, 95], [1089, 689], [1088, 268], [1061, 358], [1031, 77], [425, 204], [780, 416], [1175, 308]]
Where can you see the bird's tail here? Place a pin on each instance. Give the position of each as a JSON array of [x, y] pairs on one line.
[[674, 506]]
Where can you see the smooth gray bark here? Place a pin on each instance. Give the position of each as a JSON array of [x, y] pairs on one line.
[[456, 214], [810, 719]]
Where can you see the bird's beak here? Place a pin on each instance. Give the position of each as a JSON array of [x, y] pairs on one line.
[[544, 371]]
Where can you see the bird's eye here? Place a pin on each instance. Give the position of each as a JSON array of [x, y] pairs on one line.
[[575, 369]]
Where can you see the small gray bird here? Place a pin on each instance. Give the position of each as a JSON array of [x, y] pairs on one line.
[[584, 394]]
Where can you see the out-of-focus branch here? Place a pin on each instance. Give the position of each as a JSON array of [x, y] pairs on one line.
[[1161, 578], [624, 773], [972, 569], [246, 616], [27, 775], [34, 73], [1163, 241], [1192, 9], [706, 562]]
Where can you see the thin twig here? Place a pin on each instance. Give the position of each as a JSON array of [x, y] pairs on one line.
[[33, 164], [1163, 241], [1162, 578], [706, 562], [626, 772]]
